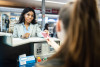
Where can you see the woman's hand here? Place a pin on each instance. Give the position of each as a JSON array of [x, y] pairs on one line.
[[26, 35], [46, 31], [52, 43]]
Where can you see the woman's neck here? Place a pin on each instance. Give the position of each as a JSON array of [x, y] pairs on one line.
[[26, 24]]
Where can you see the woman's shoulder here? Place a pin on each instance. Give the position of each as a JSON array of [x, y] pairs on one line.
[[18, 24], [51, 63], [36, 25]]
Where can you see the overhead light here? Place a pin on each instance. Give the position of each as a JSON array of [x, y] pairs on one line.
[[52, 2]]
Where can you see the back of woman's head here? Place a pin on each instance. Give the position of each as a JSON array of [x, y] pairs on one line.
[[46, 26], [26, 10], [82, 45], [64, 15]]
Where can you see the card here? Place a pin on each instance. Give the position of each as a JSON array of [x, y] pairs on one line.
[[45, 35]]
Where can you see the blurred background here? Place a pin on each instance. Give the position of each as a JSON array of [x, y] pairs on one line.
[[10, 11]]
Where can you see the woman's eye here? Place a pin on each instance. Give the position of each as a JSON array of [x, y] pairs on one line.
[[28, 14], [32, 15]]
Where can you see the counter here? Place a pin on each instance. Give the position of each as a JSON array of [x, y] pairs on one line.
[[11, 48], [19, 41]]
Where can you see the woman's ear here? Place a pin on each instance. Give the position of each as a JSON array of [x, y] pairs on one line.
[[58, 26]]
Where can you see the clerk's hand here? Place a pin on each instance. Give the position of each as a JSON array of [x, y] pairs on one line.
[[26, 35]]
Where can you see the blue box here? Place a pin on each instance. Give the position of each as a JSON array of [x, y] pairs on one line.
[[28, 61]]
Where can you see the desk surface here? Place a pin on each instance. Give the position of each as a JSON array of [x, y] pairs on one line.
[[19, 41]]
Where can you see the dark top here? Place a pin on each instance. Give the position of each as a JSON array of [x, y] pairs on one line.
[[7, 23], [54, 32]]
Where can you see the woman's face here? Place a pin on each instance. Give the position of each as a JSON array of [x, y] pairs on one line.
[[29, 16]]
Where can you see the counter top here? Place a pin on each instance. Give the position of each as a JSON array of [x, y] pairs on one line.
[[19, 41]]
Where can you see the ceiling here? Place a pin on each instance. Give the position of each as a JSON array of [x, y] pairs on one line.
[[33, 3]]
